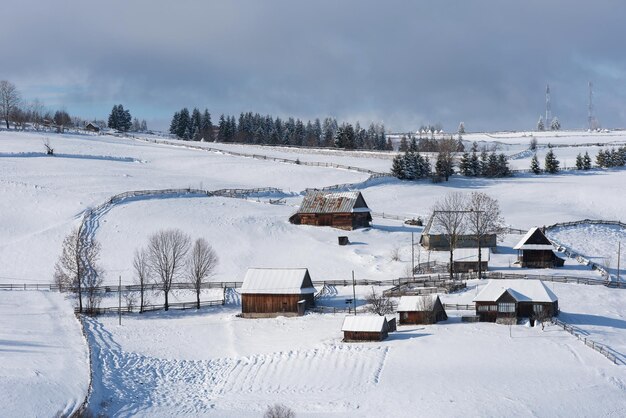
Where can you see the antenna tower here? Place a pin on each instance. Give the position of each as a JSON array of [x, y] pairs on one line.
[[548, 106], [590, 108]]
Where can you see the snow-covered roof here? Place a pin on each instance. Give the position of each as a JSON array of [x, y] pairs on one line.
[[277, 281], [521, 289], [364, 323], [524, 245], [465, 255], [325, 202], [416, 303]]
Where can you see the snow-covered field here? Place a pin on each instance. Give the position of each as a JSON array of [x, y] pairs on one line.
[[211, 363]]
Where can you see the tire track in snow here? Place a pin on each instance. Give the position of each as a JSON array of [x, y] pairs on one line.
[[131, 383]]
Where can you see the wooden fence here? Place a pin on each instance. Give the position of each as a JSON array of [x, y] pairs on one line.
[[603, 349], [151, 308]]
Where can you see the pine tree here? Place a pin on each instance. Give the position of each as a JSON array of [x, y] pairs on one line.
[[404, 144], [206, 126], [174, 123], [555, 125], [465, 165], [601, 160], [540, 124], [551, 163], [474, 163], [534, 165], [413, 145], [182, 128], [580, 165], [196, 123], [484, 163], [461, 130], [397, 167], [586, 161], [503, 166]]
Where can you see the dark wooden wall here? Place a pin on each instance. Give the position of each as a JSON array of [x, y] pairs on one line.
[[364, 336], [267, 303], [346, 220], [540, 259]]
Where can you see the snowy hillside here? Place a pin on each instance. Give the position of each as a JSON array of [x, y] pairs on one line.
[[212, 363]]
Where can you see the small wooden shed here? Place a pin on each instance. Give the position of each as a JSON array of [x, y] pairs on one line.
[[466, 259], [515, 299], [92, 127], [357, 328], [422, 309], [270, 292], [536, 251], [435, 238], [345, 210]]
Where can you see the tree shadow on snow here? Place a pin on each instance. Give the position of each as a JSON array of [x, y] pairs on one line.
[[405, 335]]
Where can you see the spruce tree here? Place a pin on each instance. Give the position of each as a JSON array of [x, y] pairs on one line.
[[601, 160], [174, 123], [465, 165], [503, 166], [551, 163], [586, 161], [540, 124], [534, 165], [555, 125], [404, 144], [397, 167], [580, 165]]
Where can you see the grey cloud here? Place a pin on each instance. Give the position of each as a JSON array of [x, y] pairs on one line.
[[402, 62]]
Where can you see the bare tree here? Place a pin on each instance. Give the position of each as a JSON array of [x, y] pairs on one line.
[[167, 250], [202, 263], [426, 304], [279, 411], [483, 219], [142, 274], [379, 304], [9, 100], [449, 217], [77, 269]]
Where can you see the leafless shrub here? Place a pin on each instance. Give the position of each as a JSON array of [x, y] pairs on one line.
[[394, 255], [379, 304], [279, 411]]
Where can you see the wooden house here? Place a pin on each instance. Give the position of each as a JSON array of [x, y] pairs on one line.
[[536, 251], [466, 259], [92, 127], [357, 328], [270, 292], [515, 299], [423, 309], [435, 238], [345, 210]]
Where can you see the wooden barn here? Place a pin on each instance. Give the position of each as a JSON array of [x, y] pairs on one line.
[[345, 210], [466, 259], [423, 309], [435, 238], [515, 299], [365, 328], [92, 127], [270, 292], [536, 251]]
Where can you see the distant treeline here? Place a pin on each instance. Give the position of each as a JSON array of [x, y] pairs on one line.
[[252, 128]]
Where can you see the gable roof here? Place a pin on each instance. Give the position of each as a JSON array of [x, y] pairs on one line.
[[323, 202], [534, 240], [364, 323], [277, 281], [416, 303], [522, 290]]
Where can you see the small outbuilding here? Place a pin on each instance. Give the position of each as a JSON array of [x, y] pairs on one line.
[[345, 210], [535, 250], [357, 328], [466, 259], [435, 238], [92, 127], [515, 299], [423, 309], [270, 292]]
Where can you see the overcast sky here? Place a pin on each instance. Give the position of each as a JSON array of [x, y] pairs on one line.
[[402, 63]]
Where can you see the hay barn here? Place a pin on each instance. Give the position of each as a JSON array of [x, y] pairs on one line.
[[423, 309], [365, 328], [435, 238], [270, 292], [345, 210], [466, 259], [536, 251]]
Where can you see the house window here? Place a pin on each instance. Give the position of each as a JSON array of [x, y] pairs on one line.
[[538, 309], [506, 307], [487, 308]]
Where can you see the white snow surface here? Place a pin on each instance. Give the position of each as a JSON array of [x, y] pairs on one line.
[[44, 363], [275, 281], [212, 363]]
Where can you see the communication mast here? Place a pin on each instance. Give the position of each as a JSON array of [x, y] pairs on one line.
[[548, 106], [590, 118]]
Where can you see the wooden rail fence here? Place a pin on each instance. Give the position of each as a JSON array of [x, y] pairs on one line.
[[603, 349], [151, 308]]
